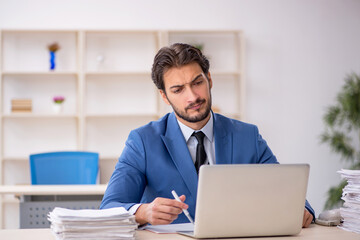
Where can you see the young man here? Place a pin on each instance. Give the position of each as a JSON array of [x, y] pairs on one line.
[[165, 155]]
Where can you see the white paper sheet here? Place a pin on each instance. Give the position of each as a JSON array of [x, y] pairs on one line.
[[170, 228]]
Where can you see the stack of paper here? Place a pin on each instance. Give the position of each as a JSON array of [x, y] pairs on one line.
[[350, 212], [112, 223]]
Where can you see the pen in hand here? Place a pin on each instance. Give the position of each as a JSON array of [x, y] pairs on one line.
[[187, 214]]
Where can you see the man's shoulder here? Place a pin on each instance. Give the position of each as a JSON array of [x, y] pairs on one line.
[[154, 127], [233, 124]]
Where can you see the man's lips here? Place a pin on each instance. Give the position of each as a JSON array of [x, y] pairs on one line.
[[196, 105]]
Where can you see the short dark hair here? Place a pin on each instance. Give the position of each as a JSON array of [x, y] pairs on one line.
[[177, 55]]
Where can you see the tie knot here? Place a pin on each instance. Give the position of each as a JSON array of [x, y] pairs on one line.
[[199, 136]]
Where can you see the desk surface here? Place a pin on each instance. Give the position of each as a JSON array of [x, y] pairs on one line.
[[53, 189], [313, 232]]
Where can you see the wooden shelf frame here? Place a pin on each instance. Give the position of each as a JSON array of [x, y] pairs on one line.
[[80, 72], [161, 38]]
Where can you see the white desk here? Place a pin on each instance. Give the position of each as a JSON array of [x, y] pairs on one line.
[[314, 232], [28, 193], [21, 190]]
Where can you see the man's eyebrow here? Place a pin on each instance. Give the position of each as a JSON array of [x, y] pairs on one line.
[[176, 86]]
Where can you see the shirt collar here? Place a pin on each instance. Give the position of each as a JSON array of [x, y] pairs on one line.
[[208, 129]]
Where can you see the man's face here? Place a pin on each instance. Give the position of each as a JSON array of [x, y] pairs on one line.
[[187, 90]]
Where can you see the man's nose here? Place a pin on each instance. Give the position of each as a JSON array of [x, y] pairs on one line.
[[191, 95]]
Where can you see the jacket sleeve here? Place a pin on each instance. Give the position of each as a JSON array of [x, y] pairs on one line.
[[128, 181], [264, 153], [310, 209]]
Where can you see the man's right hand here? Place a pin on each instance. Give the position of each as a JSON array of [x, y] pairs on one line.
[[160, 211]]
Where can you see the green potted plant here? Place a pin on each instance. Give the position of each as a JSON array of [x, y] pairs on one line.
[[342, 133]]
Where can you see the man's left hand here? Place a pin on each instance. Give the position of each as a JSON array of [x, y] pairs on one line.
[[308, 217]]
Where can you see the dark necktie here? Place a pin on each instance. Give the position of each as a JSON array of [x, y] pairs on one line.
[[200, 150]]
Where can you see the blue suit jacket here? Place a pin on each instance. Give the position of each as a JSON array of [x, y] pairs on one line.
[[156, 160]]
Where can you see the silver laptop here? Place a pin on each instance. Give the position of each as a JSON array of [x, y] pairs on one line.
[[250, 200]]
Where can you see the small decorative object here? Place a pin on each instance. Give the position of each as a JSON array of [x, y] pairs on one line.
[[53, 48], [58, 104]]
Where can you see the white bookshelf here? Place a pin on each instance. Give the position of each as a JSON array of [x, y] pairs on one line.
[[105, 77]]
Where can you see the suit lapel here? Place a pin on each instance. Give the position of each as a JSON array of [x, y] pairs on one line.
[[223, 142], [176, 145]]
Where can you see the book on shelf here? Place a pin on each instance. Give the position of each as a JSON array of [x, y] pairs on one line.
[[21, 105]]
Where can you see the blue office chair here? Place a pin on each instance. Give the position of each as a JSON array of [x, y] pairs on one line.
[[64, 168]]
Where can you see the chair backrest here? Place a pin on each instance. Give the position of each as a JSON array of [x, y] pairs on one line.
[[64, 168]]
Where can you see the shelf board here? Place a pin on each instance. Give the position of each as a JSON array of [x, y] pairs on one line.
[[230, 115], [37, 73], [131, 73], [32, 31], [122, 73], [121, 115], [108, 158], [228, 73], [36, 115], [10, 201], [102, 31], [202, 31], [15, 159]]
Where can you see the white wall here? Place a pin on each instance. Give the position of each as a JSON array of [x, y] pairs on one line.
[[298, 52]]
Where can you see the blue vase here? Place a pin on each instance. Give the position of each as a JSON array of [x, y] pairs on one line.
[[52, 60]]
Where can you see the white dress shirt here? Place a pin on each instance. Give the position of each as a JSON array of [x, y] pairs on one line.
[[209, 142]]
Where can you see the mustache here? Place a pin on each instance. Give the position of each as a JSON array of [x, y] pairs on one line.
[[198, 101]]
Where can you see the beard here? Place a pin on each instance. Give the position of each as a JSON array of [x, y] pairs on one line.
[[197, 118]]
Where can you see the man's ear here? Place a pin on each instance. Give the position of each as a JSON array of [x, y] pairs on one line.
[[164, 97], [209, 79]]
